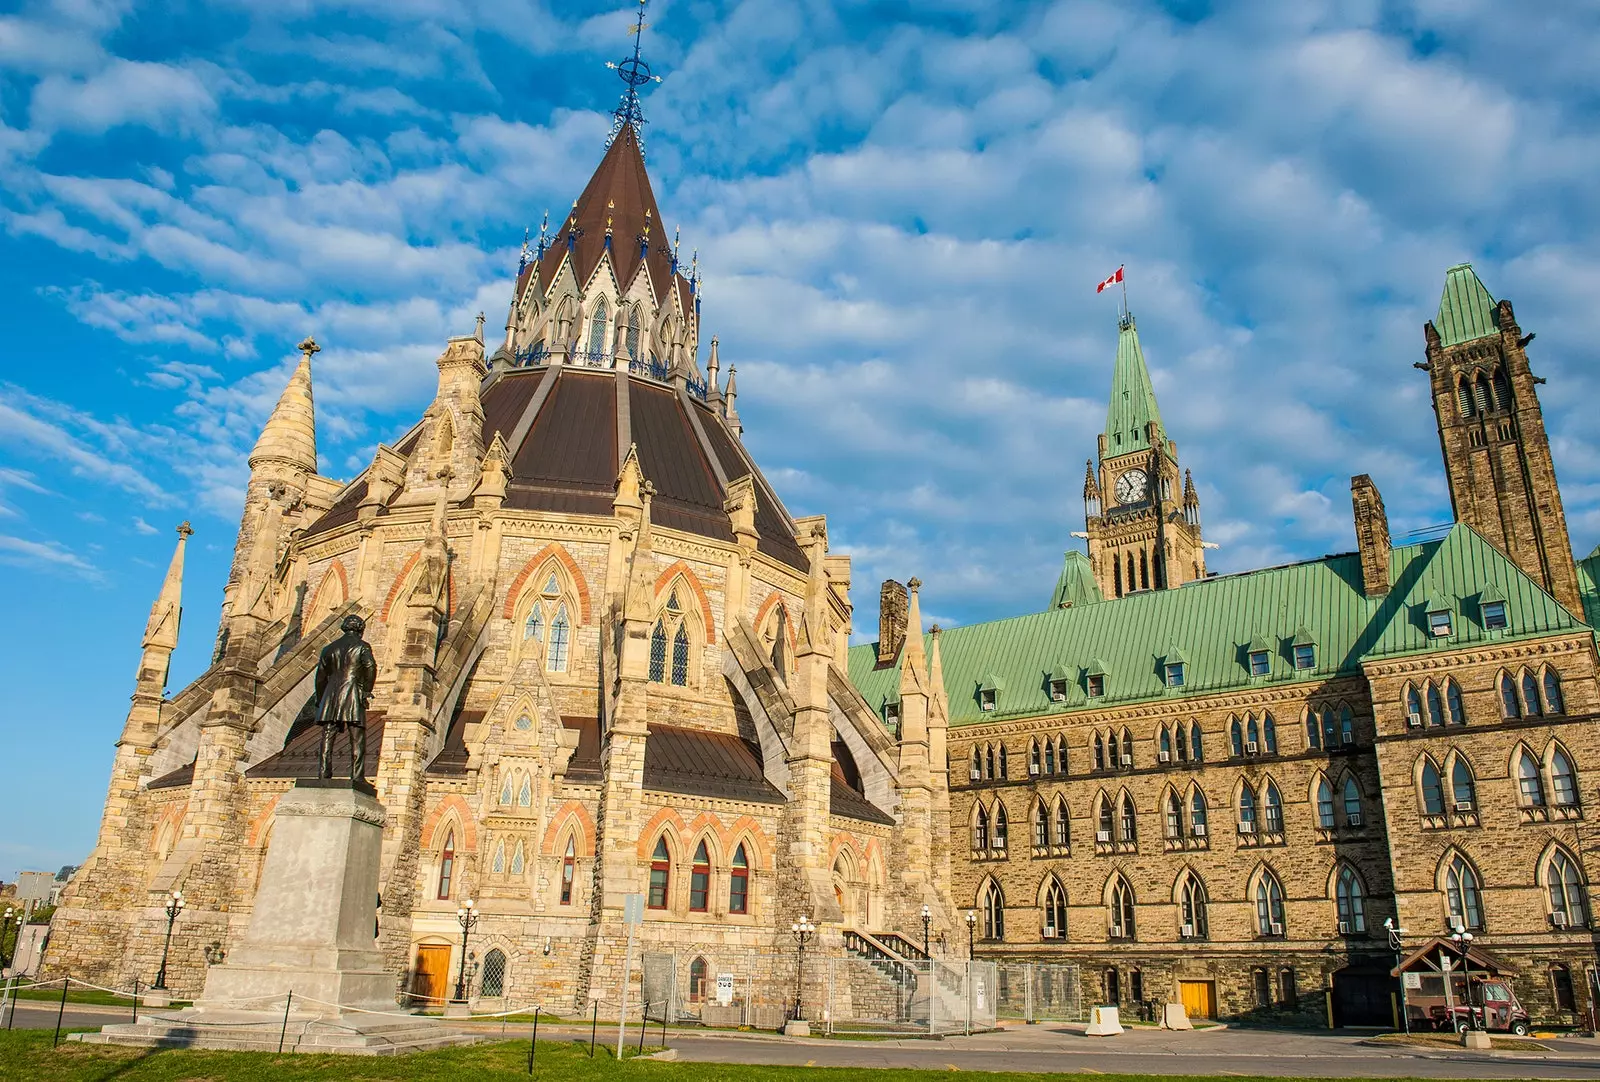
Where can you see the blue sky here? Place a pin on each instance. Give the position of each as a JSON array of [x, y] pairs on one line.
[[901, 211]]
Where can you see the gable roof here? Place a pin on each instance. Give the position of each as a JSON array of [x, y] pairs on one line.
[[1216, 619], [1466, 311], [1133, 399]]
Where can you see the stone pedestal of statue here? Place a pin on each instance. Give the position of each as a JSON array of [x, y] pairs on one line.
[[310, 934], [311, 931]]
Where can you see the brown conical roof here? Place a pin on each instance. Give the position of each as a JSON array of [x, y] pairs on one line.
[[618, 193], [290, 434]]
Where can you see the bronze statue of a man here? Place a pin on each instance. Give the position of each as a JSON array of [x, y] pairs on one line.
[[345, 675]]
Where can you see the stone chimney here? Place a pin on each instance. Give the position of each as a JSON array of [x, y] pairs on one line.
[[893, 611], [1372, 535]]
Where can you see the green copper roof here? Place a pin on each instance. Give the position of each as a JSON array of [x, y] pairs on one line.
[[1213, 621], [1133, 400], [1075, 585], [1466, 311]]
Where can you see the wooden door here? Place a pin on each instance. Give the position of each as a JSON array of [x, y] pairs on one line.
[[1199, 998], [431, 980]]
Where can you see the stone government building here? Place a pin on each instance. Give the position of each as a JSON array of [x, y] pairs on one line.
[[610, 661]]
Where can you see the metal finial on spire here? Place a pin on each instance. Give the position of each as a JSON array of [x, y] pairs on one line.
[[544, 235], [677, 232], [634, 72], [522, 259]]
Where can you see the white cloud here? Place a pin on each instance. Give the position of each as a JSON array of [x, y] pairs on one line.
[[50, 555], [158, 96]]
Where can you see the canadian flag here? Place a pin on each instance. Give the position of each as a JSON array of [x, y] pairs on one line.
[[1113, 280]]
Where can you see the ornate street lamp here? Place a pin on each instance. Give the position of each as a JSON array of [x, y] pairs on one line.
[[927, 919], [1463, 941], [803, 930], [173, 907], [1395, 944], [972, 931], [467, 917]]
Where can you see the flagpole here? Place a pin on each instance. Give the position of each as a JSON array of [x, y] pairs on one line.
[[1124, 293]]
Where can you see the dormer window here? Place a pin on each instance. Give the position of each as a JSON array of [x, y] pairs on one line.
[[1174, 674], [1260, 663], [986, 699], [1494, 615], [891, 713], [989, 692], [1305, 655], [1439, 624], [1058, 691], [1096, 685]]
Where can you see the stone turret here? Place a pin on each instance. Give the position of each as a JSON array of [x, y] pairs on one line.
[[1372, 535], [810, 757]]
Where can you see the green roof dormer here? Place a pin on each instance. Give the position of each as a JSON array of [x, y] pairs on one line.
[[1133, 399], [1466, 311]]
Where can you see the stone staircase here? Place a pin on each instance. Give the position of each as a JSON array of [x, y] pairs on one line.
[[899, 982]]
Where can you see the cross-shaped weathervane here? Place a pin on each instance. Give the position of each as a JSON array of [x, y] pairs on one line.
[[635, 73]]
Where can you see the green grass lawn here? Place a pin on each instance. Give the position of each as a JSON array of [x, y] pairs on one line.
[[87, 996], [28, 1055]]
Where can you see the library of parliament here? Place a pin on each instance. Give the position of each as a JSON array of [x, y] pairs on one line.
[[611, 661]]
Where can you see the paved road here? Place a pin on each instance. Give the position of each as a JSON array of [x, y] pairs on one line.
[[1244, 1052], [38, 1014]]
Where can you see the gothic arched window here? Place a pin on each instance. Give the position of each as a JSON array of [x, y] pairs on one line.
[[1435, 705], [1462, 790], [494, 974], [1272, 807], [1553, 703], [525, 792], [980, 830], [1063, 823], [1313, 731], [1452, 698], [992, 904], [1530, 787], [700, 880], [1351, 901], [1121, 910], [1001, 826], [498, 865], [660, 874], [1269, 905], [1035, 763], [1192, 908], [518, 859], [1462, 895], [1247, 810], [1041, 826], [1196, 751], [1105, 817], [697, 980], [1055, 911], [633, 331], [1530, 696], [447, 864], [1563, 780], [1565, 884], [560, 634], [1432, 789], [1352, 802], [1165, 744], [658, 653], [569, 863], [1099, 752], [1413, 702], [1236, 735], [1174, 816], [1197, 814], [1130, 821], [739, 882], [680, 657], [1324, 804], [534, 627], [1269, 733], [1509, 707], [597, 327]]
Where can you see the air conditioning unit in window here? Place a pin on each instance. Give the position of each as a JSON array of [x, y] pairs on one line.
[[1344, 927], [1347, 738], [1251, 747], [1247, 828], [1127, 762], [1187, 931], [1463, 805], [1103, 837], [1413, 720], [1199, 830], [1276, 929], [1033, 769], [1354, 819], [1164, 756], [1558, 920]]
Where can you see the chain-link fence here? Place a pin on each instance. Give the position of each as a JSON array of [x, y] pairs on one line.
[[1040, 991], [839, 992]]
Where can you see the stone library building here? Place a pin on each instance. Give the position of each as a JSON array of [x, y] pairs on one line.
[[610, 662]]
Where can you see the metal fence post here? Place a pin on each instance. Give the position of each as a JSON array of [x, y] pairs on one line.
[[1027, 995]]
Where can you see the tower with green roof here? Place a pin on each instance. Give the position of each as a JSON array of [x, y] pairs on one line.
[[1141, 511], [1492, 436]]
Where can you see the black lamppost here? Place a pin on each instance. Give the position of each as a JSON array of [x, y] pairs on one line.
[[173, 907], [803, 930], [5, 924], [1463, 941], [1398, 947], [467, 917], [972, 931], [927, 920]]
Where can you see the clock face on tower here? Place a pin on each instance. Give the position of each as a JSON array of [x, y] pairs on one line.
[[1132, 486]]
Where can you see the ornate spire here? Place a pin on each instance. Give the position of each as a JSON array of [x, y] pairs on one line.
[[1133, 399], [161, 632], [729, 401], [1091, 486], [634, 73], [713, 367], [290, 434]]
